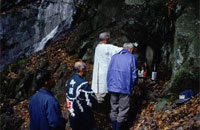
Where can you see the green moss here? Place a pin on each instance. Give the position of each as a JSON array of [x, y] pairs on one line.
[[187, 77], [162, 103], [22, 62]]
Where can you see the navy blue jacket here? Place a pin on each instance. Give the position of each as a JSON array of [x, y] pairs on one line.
[[45, 113], [80, 101], [122, 72]]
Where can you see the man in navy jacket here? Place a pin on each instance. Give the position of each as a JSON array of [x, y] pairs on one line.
[[80, 100], [44, 109], [121, 79]]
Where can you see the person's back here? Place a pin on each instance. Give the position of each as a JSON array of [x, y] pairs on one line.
[[44, 109], [121, 79], [122, 71], [80, 101], [39, 108], [102, 57]]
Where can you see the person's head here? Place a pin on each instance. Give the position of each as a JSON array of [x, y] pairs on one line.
[[43, 78], [80, 68], [104, 37], [128, 46]]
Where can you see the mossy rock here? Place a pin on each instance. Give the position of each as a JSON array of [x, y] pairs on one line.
[[59, 90], [162, 104], [185, 78], [22, 63]]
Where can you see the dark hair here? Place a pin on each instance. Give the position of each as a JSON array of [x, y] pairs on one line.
[[42, 76]]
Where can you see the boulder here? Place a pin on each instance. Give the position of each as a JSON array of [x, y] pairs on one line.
[[185, 74]]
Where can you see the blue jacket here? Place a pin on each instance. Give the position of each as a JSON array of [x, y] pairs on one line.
[[80, 101], [122, 72], [45, 113]]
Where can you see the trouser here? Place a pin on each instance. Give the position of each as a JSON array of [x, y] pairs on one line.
[[81, 124], [103, 106], [120, 105]]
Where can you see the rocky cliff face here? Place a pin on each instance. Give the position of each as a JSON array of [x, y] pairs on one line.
[[26, 26], [185, 55], [145, 22], [166, 30]]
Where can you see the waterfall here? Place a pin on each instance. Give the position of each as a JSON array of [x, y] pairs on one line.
[[39, 46], [37, 24], [66, 12]]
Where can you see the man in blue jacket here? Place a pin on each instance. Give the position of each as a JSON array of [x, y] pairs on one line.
[[44, 109], [80, 100], [121, 79]]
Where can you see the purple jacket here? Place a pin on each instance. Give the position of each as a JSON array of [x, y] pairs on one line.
[[122, 72]]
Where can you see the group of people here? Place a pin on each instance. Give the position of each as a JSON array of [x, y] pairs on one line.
[[114, 78]]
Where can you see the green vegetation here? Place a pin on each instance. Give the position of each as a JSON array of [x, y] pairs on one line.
[[187, 77], [22, 62]]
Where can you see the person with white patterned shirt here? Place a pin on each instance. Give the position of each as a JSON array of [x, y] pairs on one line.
[[80, 100]]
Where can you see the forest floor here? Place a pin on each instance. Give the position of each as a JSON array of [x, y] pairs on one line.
[[149, 110], [144, 114]]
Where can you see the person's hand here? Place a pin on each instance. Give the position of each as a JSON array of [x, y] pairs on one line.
[[100, 97]]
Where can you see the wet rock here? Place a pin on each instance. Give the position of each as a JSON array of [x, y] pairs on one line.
[[35, 22]]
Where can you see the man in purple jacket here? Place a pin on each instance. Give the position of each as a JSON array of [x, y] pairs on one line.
[[121, 79]]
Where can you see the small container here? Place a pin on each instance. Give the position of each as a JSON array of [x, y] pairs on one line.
[[154, 75]]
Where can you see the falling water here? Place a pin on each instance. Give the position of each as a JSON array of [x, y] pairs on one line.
[[39, 46], [67, 11]]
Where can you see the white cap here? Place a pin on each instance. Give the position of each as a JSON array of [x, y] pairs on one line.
[[135, 44]]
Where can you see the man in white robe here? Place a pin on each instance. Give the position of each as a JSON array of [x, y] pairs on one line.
[[103, 54]]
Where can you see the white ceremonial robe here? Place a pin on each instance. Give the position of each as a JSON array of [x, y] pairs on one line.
[[103, 54]]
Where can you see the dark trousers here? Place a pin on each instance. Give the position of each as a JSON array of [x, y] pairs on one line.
[[104, 107]]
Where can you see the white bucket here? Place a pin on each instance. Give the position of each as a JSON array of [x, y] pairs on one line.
[[154, 76]]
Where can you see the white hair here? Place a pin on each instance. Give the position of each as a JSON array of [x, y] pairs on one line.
[[104, 35], [128, 45], [79, 67]]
